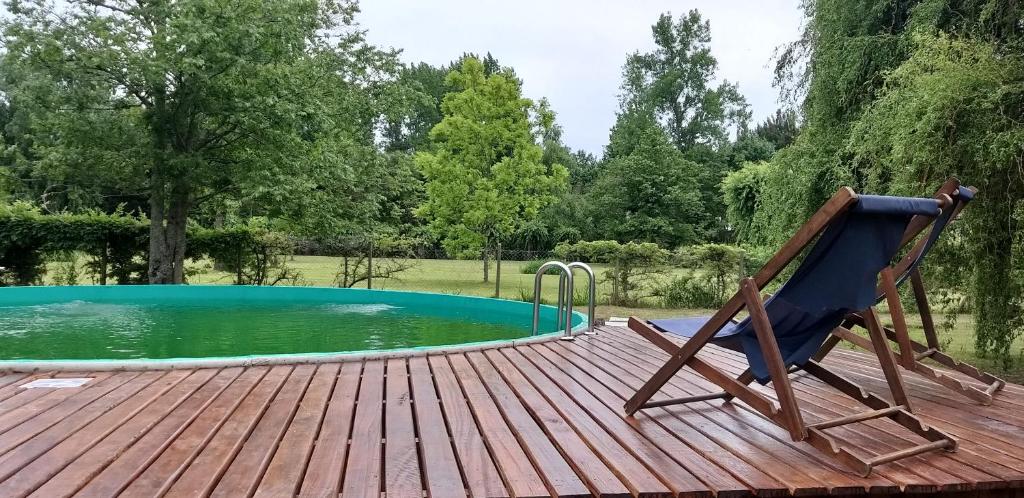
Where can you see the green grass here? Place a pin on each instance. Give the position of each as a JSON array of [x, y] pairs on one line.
[[466, 278]]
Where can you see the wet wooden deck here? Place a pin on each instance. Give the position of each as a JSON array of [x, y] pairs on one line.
[[538, 420]]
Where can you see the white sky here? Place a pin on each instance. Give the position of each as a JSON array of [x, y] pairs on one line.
[[572, 51]]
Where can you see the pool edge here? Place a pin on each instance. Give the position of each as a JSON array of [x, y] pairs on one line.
[[30, 366]]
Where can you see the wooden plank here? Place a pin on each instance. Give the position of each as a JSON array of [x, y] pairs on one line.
[[613, 430], [152, 474], [717, 454], [61, 400], [323, 474], [42, 467], [478, 469], [585, 462], [187, 396], [557, 472], [13, 461], [512, 461], [248, 466], [363, 467], [401, 461], [441, 474], [119, 474], [284, 475], [203, 473]]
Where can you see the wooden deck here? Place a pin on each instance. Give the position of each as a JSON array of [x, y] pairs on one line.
[[538, 420]]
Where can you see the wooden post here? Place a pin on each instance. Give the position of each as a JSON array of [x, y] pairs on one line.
[[497, 270], [369, 265]]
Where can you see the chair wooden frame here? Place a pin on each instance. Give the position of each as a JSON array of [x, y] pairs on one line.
[[786, 412], [913, 353]]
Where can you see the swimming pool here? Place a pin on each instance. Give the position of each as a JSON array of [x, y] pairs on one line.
[[153, 326]]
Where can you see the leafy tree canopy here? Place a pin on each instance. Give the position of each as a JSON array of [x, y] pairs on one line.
[[485, 175]]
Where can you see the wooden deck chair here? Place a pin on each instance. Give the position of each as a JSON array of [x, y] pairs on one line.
[[859, 236], [912, 353]]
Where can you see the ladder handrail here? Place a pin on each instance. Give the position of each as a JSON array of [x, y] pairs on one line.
[[592, 293], [566, 273]]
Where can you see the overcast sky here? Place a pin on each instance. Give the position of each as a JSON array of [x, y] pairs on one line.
[[572, 51]]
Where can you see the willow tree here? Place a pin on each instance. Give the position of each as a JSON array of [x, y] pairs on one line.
[[187, 99], [485, 176]]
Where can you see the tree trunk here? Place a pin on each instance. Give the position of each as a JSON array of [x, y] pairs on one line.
[[497, 270], [487, 265], [369, 266], [218, 223], [104, 263], [168, 216]]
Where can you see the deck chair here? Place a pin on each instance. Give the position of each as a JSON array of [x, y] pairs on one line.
[[859, 236], [912, 353]]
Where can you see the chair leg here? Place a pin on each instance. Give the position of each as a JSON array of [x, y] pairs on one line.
[[924, 309], [880, 345], [899, 320], [773, 358]]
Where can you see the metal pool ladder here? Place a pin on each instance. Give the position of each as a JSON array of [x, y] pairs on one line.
[[565, 296]]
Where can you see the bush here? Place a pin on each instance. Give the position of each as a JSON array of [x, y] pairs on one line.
[[635, 267], [531, 267], [690, 291]]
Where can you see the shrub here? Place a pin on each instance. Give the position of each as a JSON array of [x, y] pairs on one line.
[[690, 291], [635, 266], [531, 267]]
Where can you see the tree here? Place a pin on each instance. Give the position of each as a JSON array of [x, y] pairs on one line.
[[673, 87], [484, 176], [674, 84], [190, 100], [780, 129], [646, 192]]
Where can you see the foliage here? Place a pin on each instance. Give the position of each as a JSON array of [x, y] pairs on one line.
[[116, 246], [27, 237], [672, 88], [689, 290], [646, 192], [720, 265], [361, 261], [741, 191], [779, 129], [531, 267], [192, 100], [673, 83], [254, 253], [898, 96], [635, 267], [484, 177]]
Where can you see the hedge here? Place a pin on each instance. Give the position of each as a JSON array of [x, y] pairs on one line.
[[117, 246]]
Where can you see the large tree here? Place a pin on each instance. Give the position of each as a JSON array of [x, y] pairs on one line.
[[485, 175], [674, 83], [646, 191], [188, 100]]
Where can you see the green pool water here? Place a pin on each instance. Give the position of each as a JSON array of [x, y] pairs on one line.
[[160, 322]]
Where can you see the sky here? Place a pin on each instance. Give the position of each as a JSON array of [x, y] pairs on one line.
[[572, 51]]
